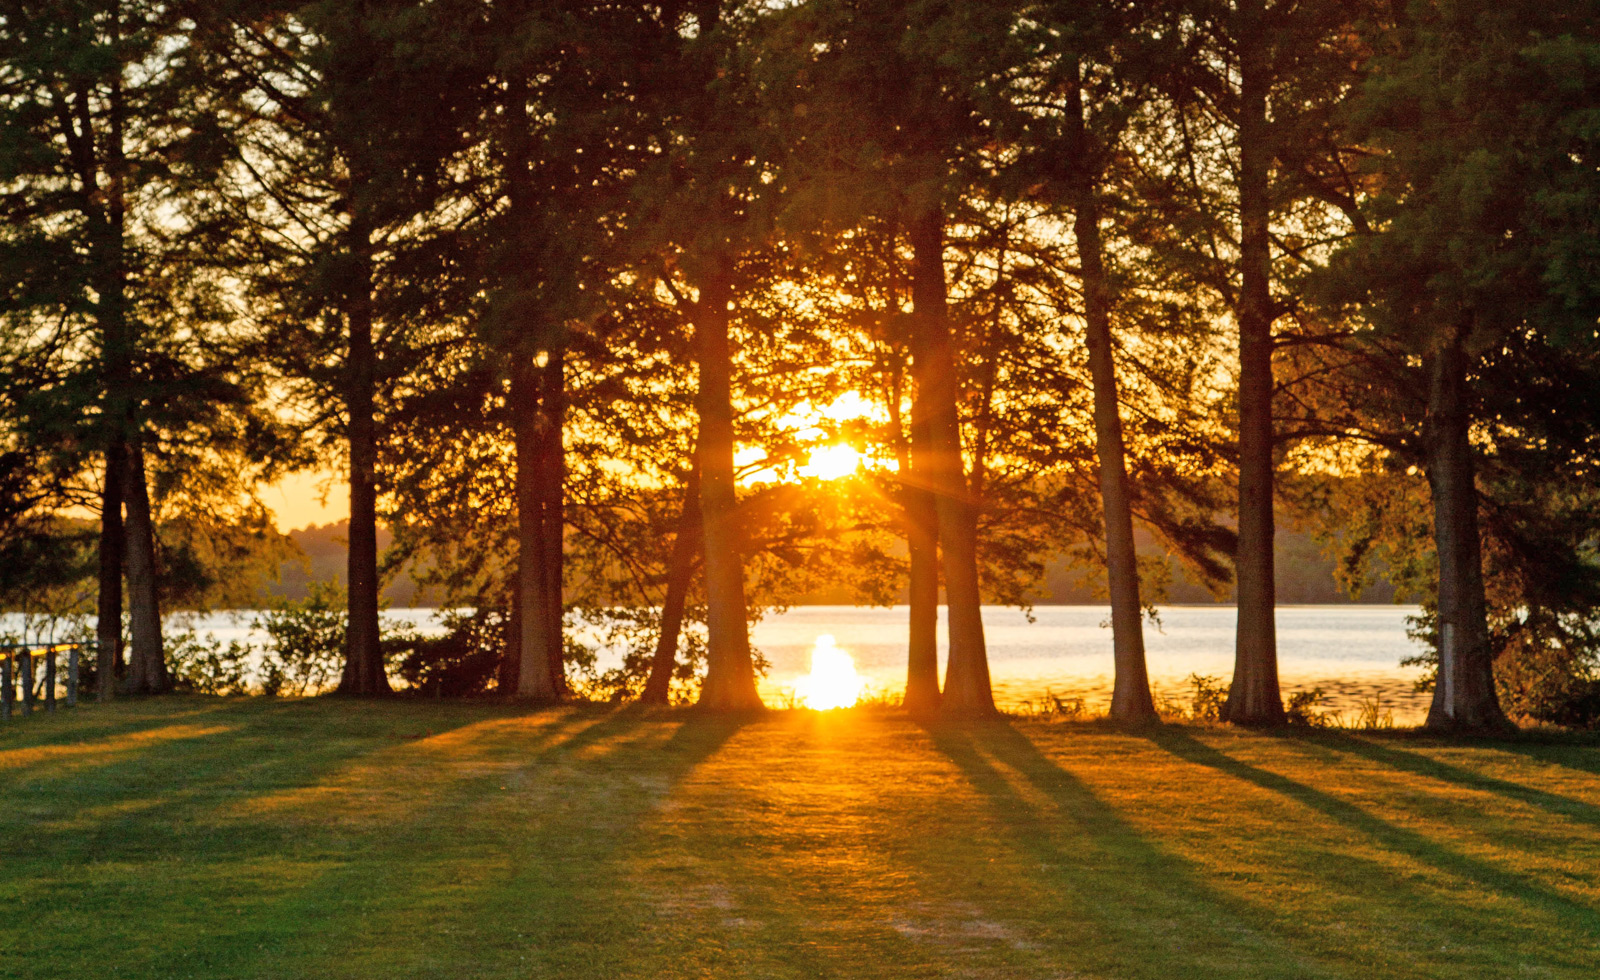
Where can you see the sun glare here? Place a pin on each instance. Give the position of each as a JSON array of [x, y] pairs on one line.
[[832, 462], [833, 681]]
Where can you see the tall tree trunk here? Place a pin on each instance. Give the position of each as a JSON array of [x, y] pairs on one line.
[[364, 674], [147, 668], [1130, 693], [922, 545], [538, 406], [110, 251], [529, 667], [1464, 695], [966, 684], [730, 683], [680, 574], [511, 657], [1253, 697], [536, 676], [108, 625], [553, 474]]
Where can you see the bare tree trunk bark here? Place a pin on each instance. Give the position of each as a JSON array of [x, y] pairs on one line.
[[730, 683], [1130, 694], [110, 252], [922, 538], [922, 544], [531, 664], [1253, 696], [680, 574], [147, 669], [363, 674], [1130, 698], [967, 689], [108, 625], [1464, 695], [536, 676], [553, 480]]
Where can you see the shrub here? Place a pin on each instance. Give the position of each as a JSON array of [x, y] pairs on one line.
[[1371, 713], [634, 631], [1543, 680], [203, 665], [1054, 707], [1206, 698], [1546, 663], [306, 644], [1067, 709], [464, 661], [1302, 708]]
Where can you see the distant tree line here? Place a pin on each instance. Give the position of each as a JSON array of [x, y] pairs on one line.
[[578, 294], [1305, 576]]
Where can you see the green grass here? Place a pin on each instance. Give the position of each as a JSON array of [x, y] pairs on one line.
[[189, 837]]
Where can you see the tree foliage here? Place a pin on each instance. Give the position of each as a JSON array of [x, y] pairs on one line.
[[581, 297]]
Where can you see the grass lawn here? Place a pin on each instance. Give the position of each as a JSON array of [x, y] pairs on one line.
[[192, 837]]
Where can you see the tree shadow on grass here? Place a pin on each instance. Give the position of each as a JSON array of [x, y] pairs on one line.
[[1579, 752], [507, 872], [1422, 765], [121, 851], [1141, 895], [159, 798], [1387, 835], [83, 726], [225, 851]]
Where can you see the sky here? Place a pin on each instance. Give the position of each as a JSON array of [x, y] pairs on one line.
[[322, 497], [297, 500]]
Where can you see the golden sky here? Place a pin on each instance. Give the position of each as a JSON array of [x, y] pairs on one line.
[[297, 500]]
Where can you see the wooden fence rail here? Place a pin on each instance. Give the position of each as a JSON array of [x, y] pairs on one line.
[[21, 661]]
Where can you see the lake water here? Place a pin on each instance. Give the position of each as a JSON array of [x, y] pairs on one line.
[[1352, 652]]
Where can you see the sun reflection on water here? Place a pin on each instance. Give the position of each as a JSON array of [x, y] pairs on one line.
[[833, 681]]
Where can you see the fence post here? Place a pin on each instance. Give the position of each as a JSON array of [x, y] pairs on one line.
[[6, 690], [27, 683], [72, 677], [50, 678]]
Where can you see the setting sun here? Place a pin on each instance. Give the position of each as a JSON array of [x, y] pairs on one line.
[[832, 462], [833, 681]]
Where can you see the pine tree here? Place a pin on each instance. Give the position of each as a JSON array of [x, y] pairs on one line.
[[1234, 161], [1479, 263], [340, 133], [106, 138]]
